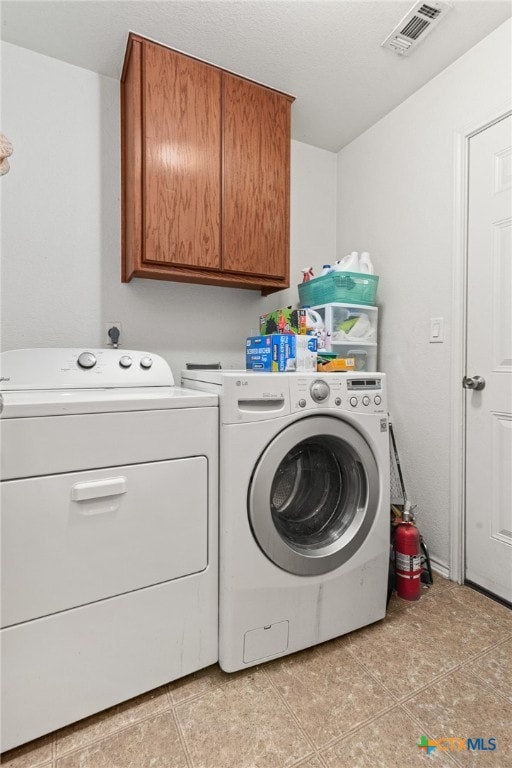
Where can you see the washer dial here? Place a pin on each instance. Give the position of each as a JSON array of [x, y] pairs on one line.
[[320, 391]]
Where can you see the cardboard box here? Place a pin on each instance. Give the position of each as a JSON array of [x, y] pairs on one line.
[[284, 320], [281, 352], [340, 364]]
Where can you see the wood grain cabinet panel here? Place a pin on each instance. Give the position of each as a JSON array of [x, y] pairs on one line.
[[256, 179], [206, 172], [182, 173]]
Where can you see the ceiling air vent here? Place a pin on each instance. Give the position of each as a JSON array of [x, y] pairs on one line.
[[415, 26]]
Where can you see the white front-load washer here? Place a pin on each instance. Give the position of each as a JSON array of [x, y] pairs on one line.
[[304, 508], [109, 488]]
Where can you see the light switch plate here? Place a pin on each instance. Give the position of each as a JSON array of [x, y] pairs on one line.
[[436, 330]]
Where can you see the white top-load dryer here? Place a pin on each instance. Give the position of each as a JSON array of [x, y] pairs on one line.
[[304, 508], [109, 491]]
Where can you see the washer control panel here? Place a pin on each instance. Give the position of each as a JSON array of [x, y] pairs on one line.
[[356, 392]]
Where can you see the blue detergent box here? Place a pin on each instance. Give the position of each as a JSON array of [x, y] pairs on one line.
[[281, 352]]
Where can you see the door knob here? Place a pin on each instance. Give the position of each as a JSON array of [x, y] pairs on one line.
[[473, 382]]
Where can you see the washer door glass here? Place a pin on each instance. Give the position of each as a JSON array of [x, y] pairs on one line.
[[314, 495]]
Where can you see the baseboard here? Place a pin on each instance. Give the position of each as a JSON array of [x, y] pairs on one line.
[[440, 568]]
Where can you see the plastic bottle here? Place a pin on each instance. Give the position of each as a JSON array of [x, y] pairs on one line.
[[365, 264], [326, 268], [307, 274], [349, 263], [315, 327], [314, 321]]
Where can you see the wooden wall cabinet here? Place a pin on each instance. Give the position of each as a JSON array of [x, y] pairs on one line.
[[206, 173]]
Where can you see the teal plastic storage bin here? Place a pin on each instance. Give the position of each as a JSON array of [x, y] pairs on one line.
[[343, 287]]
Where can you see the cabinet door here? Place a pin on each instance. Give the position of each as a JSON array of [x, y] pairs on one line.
[[181, 100], [256, 179]]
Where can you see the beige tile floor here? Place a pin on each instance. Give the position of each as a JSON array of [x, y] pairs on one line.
[[441, 667]]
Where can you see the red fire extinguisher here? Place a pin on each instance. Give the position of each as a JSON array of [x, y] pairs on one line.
[[408, 568]]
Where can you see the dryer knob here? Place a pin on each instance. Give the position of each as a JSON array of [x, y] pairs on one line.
[[320, 390], [86, 360], [366, 400], [146, 363], [125, 361], [353, 402]]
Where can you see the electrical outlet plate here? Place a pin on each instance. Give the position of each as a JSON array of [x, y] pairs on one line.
[[108, 326]]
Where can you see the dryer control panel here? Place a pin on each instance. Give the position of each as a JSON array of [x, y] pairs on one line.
[[65, 368]]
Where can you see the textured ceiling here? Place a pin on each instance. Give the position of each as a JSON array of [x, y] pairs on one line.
[[327, 53]]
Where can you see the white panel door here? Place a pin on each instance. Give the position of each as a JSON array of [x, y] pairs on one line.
[[489, 356]]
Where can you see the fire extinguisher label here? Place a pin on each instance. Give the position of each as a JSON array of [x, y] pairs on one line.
[[407, 562]]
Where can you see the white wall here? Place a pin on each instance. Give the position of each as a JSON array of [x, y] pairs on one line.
[[53, 227], [61, 228], [61, 240], [396, 199]]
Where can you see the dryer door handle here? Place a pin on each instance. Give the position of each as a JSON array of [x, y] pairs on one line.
[[98, 489]]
